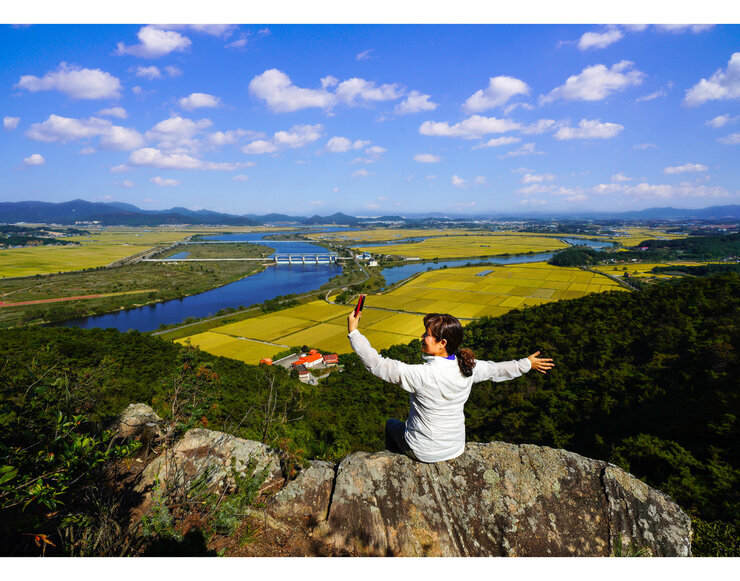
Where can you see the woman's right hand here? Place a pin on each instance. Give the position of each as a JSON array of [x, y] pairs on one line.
[[540, 364], [353, 321]]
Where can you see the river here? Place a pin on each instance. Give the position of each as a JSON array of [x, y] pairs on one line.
[[271, 282]]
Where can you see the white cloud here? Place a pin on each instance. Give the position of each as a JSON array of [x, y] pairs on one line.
[[154, 43], [459, 182], [158, 181], [499, 91], [655, 95], [498, 142], [722, 120], [589, 129], [298, 136], [282, 96], [643, 146], [177, 132], [173, 71], [365, 55], [152, 157], [64, 129], [473, 127], [532, 202], [119, 169], [34, 159], [127, 184], [320, 202], [57, 128], [679, 28], [217, 30], [342, 144], [721, 85], [688, 167], [541, 126], [600, 39], [75, 82], [197, 100], [121, 139], [230, 137], [620, 177], [239, 43], [732, 139], [240, 178], [118, 112], [259, 146], [361, 173], [663, 191], [534, 189], [537, 178], [415, 103], [148, 72], [427, 158], [87, 151], [375, 150], [596, 83], [10, 123], [353, 90]]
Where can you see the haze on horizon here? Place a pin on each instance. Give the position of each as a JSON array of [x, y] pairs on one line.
[[372, 119]]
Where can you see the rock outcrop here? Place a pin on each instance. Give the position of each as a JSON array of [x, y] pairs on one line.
[[499, 499], [209, 455], [496, 499]]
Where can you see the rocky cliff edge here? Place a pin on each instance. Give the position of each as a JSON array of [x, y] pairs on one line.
[[496, 499]]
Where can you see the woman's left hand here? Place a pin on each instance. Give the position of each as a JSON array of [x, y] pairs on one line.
[[540, 364]]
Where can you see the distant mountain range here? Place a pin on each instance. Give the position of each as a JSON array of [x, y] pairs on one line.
[[115, 213]]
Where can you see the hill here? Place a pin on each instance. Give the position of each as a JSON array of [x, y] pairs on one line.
[[645, 380]]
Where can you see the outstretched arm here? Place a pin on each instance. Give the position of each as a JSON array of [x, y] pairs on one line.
[[403, 374], [540, 364]]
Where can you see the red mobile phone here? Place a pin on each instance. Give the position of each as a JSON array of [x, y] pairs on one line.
[[360, 304]]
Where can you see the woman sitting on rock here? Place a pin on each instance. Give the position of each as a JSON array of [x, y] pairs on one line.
[[439, 388]]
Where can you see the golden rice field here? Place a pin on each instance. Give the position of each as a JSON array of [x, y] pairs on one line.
[[470, 246], [468, 293], [459, 291], [633, 236], [317, 324]]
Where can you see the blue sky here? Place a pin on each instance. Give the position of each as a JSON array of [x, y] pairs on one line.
[[372, 119]]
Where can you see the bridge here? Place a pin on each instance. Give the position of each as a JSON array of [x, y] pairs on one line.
[[305, 258]]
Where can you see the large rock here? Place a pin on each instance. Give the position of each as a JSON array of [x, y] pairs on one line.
[[499, 499], [208, 456], [139, 422]]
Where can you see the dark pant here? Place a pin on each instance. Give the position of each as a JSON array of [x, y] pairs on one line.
[[395, 440]]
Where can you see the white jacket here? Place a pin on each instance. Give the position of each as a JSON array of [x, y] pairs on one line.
[[435, 429]]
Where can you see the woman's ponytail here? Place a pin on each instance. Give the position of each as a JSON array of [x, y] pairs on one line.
[[465, 361]]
